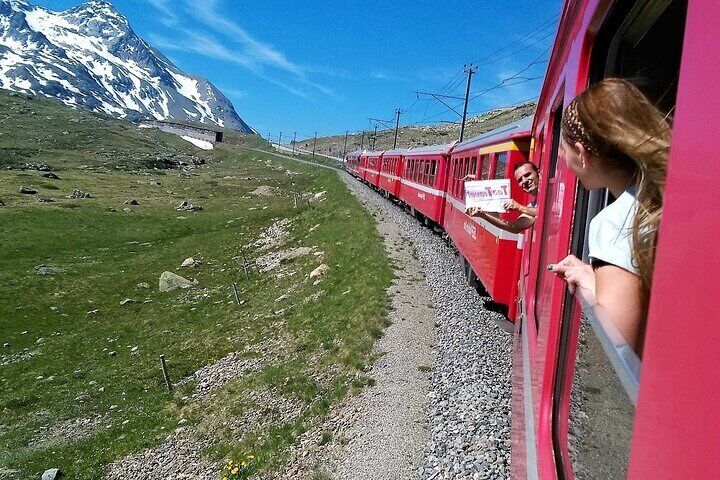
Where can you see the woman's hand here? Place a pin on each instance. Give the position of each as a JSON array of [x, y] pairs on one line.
[[577, 274]]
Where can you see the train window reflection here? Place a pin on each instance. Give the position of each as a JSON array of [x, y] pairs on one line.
[[601, 413], [485, 167], [500, 165]]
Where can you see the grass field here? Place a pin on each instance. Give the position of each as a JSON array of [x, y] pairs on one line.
[[80, 384]]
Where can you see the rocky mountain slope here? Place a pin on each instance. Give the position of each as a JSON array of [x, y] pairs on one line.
[[418, 136], [90, 57]]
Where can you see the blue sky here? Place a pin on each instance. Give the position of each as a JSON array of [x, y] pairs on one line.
[[327, 66]]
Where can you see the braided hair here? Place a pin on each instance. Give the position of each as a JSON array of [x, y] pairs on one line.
[[615, 122]]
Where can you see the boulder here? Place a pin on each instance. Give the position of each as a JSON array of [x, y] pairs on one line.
[[50, 175], [77, 193], [186, 206], [318, 196], [44, 269], [44, 200], [27, 190], [131, 202], [189, 262], [170, 281], [262, 191], [51, 474], [319, 271]]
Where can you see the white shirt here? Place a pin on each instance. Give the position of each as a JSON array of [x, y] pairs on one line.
[[610, 236]]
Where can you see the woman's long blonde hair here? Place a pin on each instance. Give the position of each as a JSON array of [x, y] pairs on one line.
[[616, 122]]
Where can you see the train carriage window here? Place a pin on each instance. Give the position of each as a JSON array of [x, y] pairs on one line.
[[458, 183], [466, 170], [485, 167], [500, 165], [642, 41], [455, 176]]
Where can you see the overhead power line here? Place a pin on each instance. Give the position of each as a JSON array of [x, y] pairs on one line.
[[518, 50], [518, 41]]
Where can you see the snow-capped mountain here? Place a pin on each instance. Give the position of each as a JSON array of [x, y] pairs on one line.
[[89, 57]]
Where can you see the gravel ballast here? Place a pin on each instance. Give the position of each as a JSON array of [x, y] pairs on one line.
[[469, 401]]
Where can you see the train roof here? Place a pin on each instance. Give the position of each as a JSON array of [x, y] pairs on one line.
[[397, 151], [432, 149], [373, 153], [357, 152], [499, 134]]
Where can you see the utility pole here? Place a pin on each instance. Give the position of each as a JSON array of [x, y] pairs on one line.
[[279, 139], [362, 141], [470, 71], [345, 145], [314, 143], [397, 125], [293, 145], [374, 137]]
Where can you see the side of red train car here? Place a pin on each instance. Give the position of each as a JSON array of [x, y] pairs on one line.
[[492, 255], [584, 405], [370, 167], [424, 177], [352, 163], [390, 171]]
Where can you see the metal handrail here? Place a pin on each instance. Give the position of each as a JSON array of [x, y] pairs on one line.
[[622, 357]]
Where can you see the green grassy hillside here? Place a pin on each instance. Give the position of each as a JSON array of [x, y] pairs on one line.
[[81, 384]]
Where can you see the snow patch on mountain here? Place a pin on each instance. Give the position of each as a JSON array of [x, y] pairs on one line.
[[90, 57]]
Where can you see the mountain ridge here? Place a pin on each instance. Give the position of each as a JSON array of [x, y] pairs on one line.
[[89, 56]]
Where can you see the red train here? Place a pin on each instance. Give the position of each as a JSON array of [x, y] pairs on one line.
[[663, 426], [430, 181], [580, 409]]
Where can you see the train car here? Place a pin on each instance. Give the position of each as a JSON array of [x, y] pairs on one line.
[[424, 177], [370, 162], [491, 255], [390, 170], [584, 404], [352, 163]]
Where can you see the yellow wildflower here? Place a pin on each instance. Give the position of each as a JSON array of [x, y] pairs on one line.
[[234, 470], [244, 463], [251, 457]]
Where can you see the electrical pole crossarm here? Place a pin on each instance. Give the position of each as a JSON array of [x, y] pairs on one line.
[[386, 123], [436, 95]]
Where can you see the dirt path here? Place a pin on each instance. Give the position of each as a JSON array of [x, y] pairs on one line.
[[381, 433]]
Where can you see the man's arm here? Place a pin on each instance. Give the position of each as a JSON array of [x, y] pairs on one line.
[[524, 209], [523, 222]]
